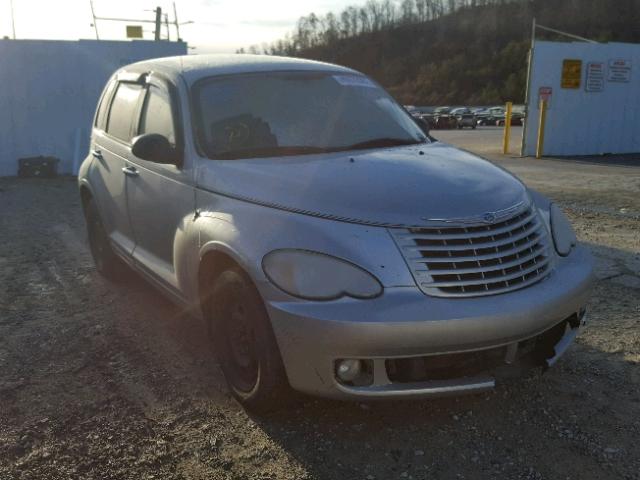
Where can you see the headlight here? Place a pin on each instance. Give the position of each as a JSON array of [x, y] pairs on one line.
[[317, 276], [564, 237]]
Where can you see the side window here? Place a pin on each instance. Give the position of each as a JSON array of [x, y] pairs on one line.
[[157, 115], [123, 110], [101, 117]]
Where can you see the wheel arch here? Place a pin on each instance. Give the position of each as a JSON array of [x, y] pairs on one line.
[[86, 195], [215, 258]]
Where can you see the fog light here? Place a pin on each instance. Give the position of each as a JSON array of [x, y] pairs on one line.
[[348, 370]]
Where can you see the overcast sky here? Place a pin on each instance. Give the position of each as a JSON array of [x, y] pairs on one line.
[[220, 25]]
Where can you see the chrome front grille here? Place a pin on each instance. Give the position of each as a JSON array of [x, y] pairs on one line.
[[475, 260]]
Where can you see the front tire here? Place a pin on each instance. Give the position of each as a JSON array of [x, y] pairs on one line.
[[241, 335]]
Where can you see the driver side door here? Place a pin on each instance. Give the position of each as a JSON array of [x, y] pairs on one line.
[[160, 197]]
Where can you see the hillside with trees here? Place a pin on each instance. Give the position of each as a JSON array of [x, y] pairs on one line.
[[435, 52]]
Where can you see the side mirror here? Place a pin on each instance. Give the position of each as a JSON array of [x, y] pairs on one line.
[[154, 148]]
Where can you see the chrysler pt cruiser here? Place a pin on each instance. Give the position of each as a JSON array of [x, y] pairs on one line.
[[328, 242]]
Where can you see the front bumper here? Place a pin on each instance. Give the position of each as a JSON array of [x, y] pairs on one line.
[[405, 323]]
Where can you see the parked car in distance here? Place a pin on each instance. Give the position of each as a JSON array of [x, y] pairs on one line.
[[443, 119], [490, 116], [517, 119], [426, 118], [324, 254], [464, 117]]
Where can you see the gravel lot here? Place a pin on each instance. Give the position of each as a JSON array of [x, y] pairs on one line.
[[104, 381]]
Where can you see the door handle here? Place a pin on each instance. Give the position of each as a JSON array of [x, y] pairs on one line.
[[97, 154], [131, 171]]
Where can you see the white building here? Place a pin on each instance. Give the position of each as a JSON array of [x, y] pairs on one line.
[[593, 92], [49, 91]]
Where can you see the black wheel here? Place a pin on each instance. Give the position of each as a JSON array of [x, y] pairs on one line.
[[242, 338], [107, 262], [473, 127]]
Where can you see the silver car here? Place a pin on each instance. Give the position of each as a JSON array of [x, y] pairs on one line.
[[330, 245]]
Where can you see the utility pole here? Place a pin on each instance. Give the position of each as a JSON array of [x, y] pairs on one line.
[[13, 20], [533, 32], [158, 23], [95, 24], [177, 23], [175, 18], [527, 93]]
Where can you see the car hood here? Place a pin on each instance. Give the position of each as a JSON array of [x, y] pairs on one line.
[[401, 186]]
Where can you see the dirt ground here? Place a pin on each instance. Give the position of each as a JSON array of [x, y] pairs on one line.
[[105, 381]]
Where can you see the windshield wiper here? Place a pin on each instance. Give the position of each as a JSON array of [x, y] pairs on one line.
[[269, 152], [382, 142]]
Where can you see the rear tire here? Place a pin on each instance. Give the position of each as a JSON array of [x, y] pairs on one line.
[[241, 335], [108, 264]]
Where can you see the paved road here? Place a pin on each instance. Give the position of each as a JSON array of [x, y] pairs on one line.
[[482, 140], [487, 141]]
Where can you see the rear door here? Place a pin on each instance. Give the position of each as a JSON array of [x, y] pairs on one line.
[[110, 147], [160, 197]]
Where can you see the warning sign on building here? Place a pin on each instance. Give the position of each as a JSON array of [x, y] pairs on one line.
[[595, 77], [545, 94], [619, 71], [571, 74]]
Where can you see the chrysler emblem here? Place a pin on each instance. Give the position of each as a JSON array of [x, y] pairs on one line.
[[489, 217]]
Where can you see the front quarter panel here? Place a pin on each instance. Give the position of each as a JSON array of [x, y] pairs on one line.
[[247, 232]]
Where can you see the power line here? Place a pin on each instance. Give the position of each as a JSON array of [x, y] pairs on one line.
[[537, 26]]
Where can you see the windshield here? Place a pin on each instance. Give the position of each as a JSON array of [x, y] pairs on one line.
[[296, 113]]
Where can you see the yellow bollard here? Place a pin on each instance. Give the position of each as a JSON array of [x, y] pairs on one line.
[[541, 124], [507, 128]]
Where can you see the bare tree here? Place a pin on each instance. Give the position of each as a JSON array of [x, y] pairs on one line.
[[374, 15]]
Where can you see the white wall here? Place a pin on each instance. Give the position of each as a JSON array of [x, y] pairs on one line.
[[49, 91], [581, 122]]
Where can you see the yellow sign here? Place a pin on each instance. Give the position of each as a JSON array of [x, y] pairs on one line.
[[134, 31], [571, 73]]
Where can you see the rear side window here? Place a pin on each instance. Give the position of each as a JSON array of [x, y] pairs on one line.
[[123, 110], [157, 115], [101, 117]]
